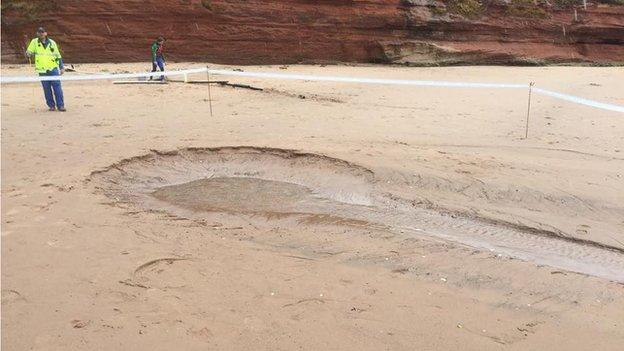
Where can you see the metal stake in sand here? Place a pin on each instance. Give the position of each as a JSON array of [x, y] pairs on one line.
[[209, 93], [526, 130], [30, 65]]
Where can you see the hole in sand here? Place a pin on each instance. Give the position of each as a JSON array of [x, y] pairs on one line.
[[275, 187], [238, 179]]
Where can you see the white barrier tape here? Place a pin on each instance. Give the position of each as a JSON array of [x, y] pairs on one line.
[[580, 100], [571, 98], [34, 79], [430, 83], [275, 75]]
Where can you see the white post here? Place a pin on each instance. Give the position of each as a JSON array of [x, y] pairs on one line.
[[185, 77], [526, 130], [209, 93]]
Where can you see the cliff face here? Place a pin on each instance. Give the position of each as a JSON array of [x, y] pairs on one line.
[[289, 31]]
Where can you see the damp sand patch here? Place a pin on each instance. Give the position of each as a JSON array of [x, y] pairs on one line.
[[245, 195]]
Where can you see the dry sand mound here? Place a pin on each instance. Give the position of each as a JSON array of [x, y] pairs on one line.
[[276, 187]]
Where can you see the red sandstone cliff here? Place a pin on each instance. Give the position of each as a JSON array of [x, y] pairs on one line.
[[288, 31]]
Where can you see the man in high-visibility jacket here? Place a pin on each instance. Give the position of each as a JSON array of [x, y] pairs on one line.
[[48, 62]]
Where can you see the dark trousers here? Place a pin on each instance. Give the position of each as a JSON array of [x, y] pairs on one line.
[[159, 63], [52, 90]]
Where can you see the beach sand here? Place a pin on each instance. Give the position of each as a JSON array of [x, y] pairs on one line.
[[88, 264]]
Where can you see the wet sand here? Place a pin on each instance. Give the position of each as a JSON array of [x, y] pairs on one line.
[[85, 269]]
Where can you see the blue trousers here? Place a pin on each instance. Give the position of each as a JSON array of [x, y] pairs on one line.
[[159, 63], [52, 90]]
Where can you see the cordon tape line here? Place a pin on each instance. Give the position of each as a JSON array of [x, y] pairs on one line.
[[580, 100], [34, 79], [305, 77], [431, 83], [570, 98]]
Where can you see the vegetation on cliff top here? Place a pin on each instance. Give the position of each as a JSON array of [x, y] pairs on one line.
[[527, 9], [24, 11], [465, 8], [207, 4], [473, 9]]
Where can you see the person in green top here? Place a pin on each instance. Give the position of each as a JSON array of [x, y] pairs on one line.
[[158, 57], [48, 62]]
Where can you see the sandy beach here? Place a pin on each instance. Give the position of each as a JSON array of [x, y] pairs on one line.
[[314, 215]]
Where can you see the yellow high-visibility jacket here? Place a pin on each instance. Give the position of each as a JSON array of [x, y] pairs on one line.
[[47, 57]]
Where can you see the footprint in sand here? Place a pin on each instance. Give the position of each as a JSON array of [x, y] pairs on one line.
[[163, 273], [10, 296], [583, 229]]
